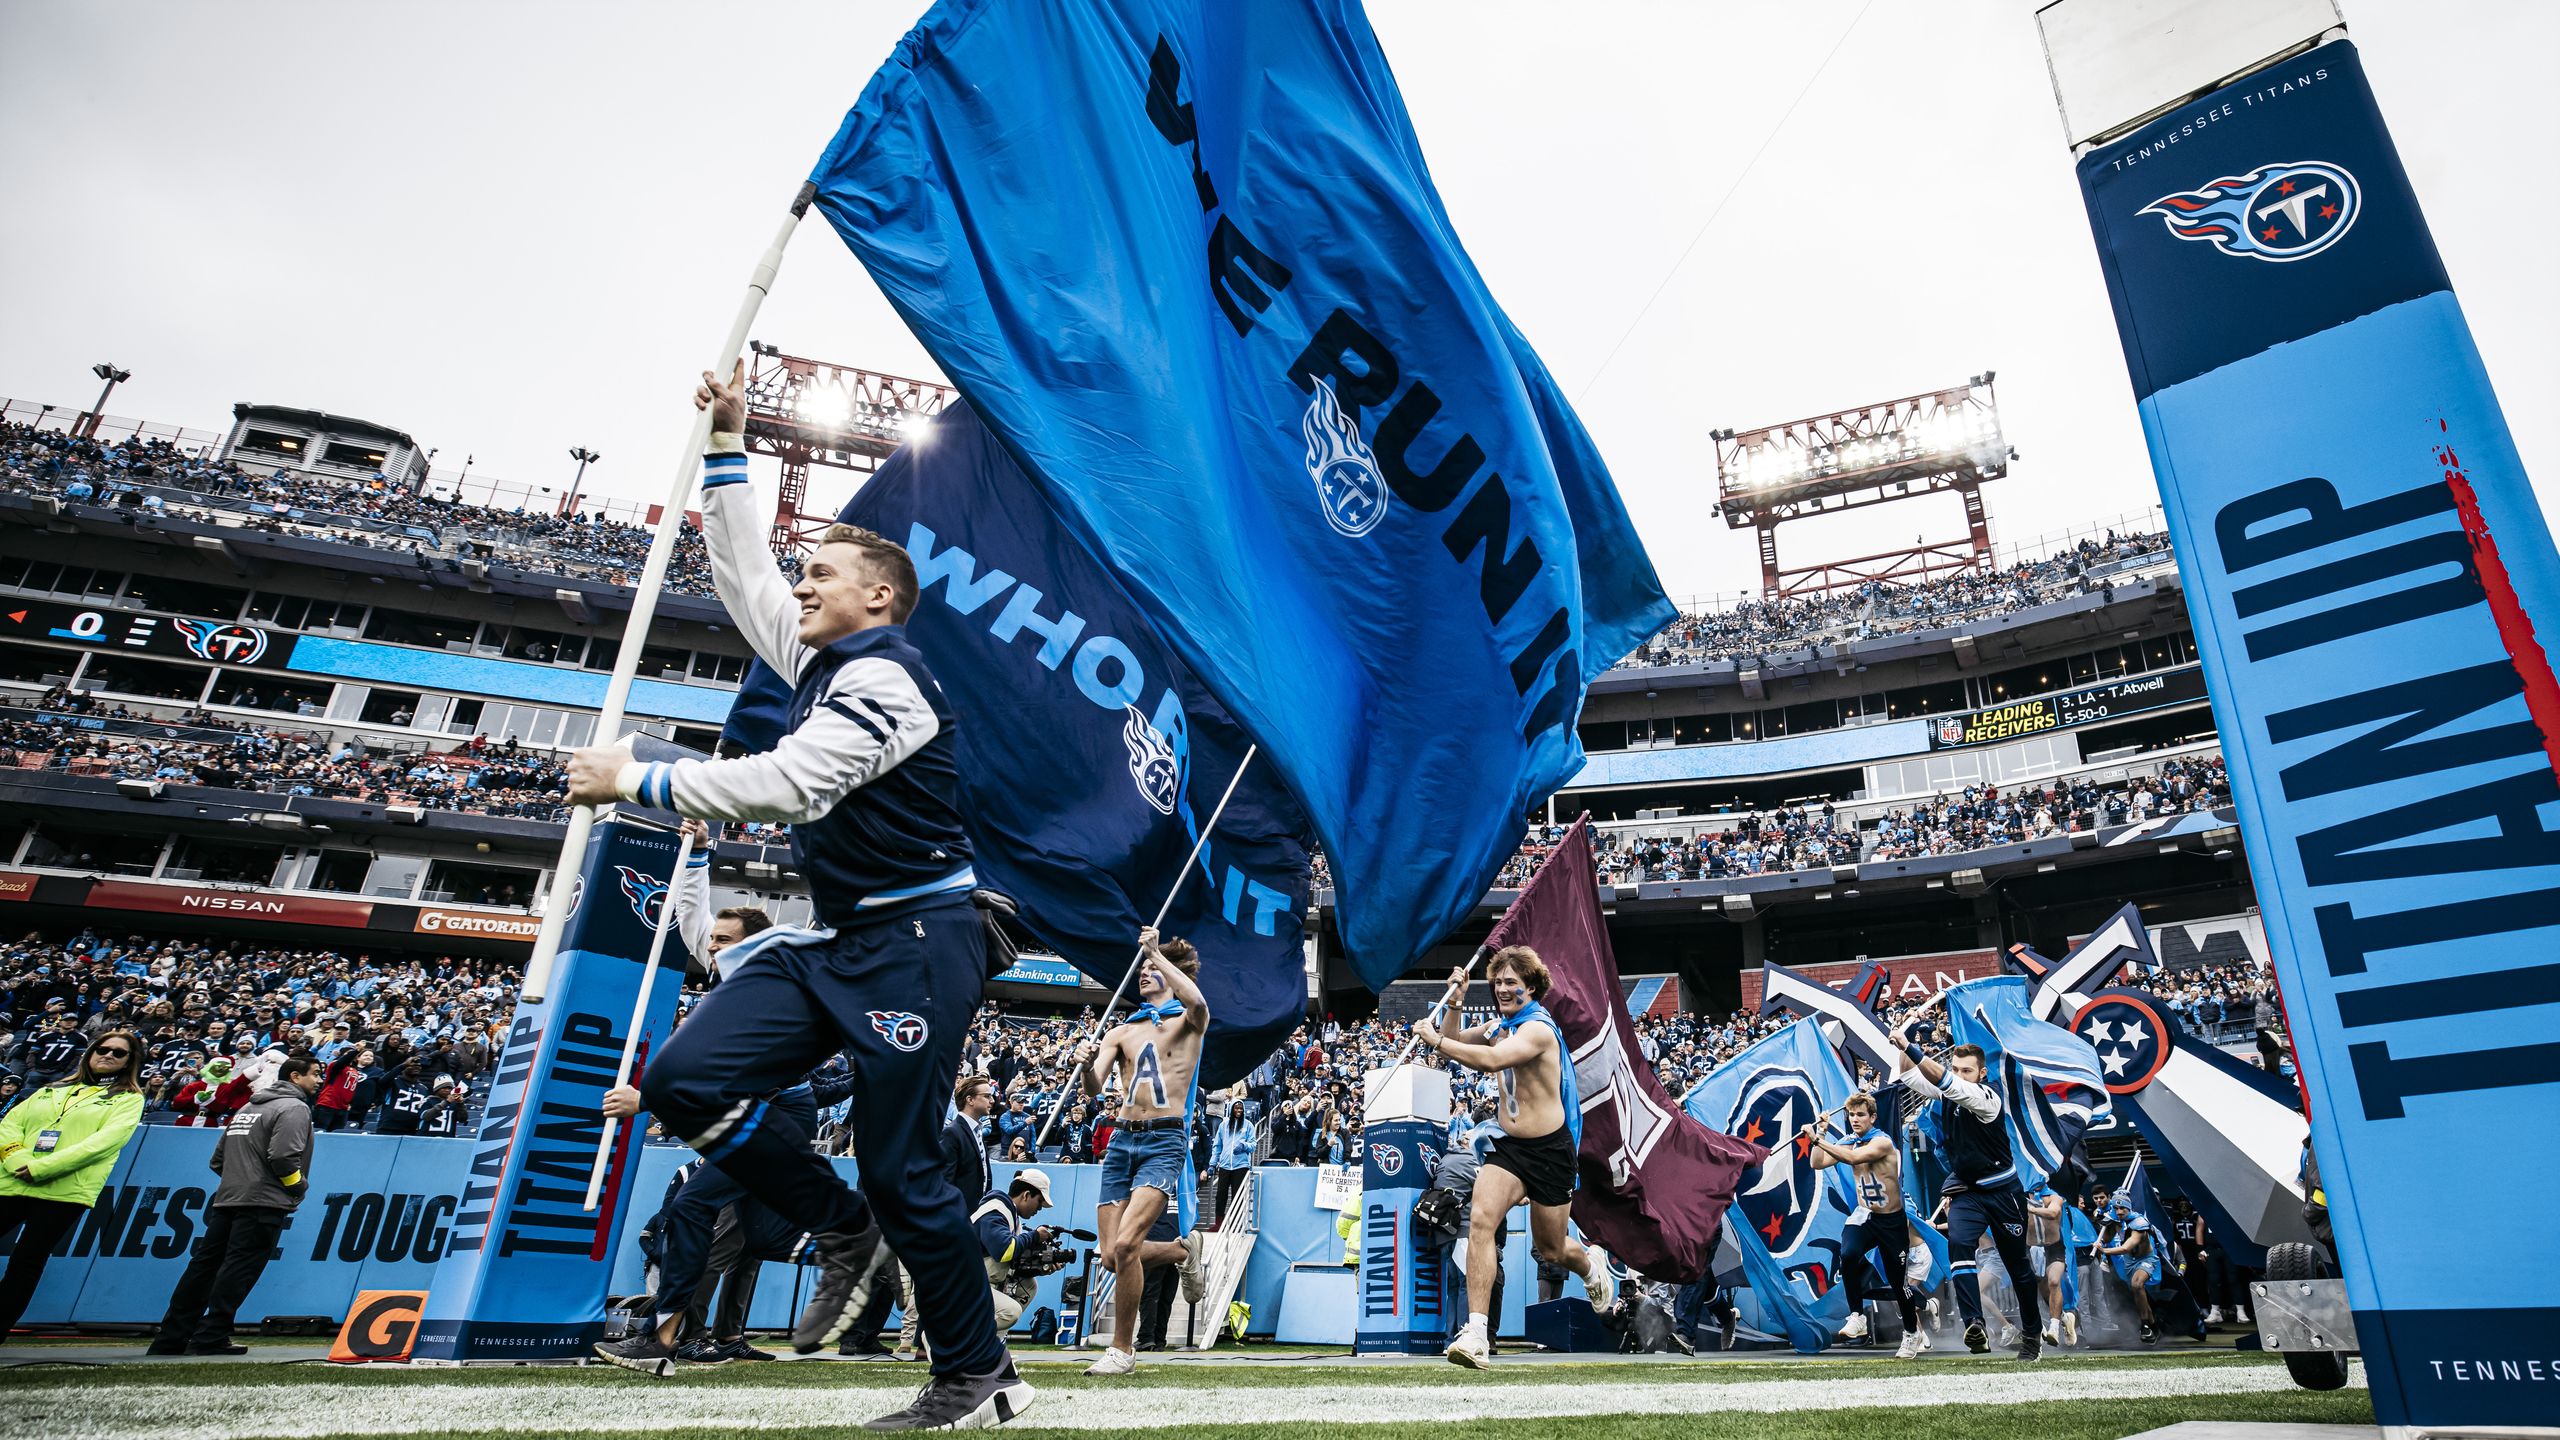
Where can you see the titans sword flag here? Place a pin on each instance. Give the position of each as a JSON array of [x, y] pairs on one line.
[[1089, 756], [1185, 258], [1654, 1181]]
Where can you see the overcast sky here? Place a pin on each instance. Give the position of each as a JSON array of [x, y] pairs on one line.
[[509, 229]]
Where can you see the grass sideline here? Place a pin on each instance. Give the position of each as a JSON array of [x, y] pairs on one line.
[[22, 1365], [1983, 1399]]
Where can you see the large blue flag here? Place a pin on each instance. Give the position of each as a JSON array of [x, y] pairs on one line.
[[2051, 1088], [1787, 1217], [1186, 259], [1089, 756]]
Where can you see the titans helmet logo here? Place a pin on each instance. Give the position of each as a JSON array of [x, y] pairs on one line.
[[900, 1028], [1153, 766], [1348, 484], [223, 644], [647, 895], [2275, 213]]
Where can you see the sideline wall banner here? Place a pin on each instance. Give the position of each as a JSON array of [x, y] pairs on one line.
[[2365, 565], [521, 1278]]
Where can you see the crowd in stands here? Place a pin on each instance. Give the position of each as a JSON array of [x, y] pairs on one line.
[[479, 778], [1880, 607], [108, 471], [407, 1042], [1986, 815]]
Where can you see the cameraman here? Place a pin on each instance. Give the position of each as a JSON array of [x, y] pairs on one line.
[[1007, 1241]]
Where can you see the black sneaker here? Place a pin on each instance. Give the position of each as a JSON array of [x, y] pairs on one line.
[[962, 1402], [739, 1349], [1976, 1340], [643, 1352], [849, 1262], [2150, 1333], [166, 1347], [2031, 1349], [863, 1347], [221, 1349], [703, 1351]]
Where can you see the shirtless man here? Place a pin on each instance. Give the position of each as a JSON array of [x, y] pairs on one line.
[[2047, 1252], [1878, 1231], [1158, 1049], [1536, 1155]]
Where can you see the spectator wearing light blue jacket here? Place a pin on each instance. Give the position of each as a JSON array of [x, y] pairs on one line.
[[1232, 1147]]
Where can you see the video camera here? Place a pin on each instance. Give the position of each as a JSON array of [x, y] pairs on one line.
[[1044, 1250]]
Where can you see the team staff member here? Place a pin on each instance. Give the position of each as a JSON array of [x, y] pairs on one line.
[[964, 1164], [867, 777], [56, 1147], [1158, 1049], [264, 1159], [1981, 1191], [1536, 1155], [1878, 1233]]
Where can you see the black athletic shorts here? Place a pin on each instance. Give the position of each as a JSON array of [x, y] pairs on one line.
[[1544, 1163]]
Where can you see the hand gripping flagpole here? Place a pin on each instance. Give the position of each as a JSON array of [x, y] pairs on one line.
[[1104, 1019], [639, 1015], [644, 607]]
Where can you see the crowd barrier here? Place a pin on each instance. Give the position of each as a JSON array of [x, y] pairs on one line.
[[381, 1210]]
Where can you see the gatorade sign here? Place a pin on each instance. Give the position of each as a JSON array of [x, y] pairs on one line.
[[381, 1325]]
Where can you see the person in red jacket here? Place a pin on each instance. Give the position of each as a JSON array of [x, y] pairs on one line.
[[337, 1091], [211, 1097]]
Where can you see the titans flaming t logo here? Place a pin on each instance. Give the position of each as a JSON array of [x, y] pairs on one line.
[[2276, 212], [1348, 484]]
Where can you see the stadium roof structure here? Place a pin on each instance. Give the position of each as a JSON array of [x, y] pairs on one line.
[[320, 420]]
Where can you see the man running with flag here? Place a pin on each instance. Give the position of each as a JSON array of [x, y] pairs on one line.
[[866, 776], [1537, 1154], [1149, 1163], [1981, 1190]]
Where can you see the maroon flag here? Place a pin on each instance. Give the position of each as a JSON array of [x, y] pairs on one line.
[[1655, 1182]]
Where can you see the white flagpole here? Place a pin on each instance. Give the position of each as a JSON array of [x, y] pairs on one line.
[[640, 1011], [644, 607], [1103, 1020]]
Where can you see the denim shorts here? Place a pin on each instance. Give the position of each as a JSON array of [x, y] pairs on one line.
[[1151, 1158]]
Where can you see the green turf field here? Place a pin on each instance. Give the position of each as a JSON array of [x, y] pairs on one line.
[[2071, 1396]]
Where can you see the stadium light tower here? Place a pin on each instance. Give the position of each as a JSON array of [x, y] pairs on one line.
[[578, 485], [811, 412], [113, 377], [1945, 441]]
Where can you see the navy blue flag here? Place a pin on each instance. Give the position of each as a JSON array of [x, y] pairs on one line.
[[1089, 757], [1186, 259]]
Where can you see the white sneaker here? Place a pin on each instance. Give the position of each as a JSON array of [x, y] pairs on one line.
[[2053, 1332], [1597, 1279], [1469, 1349], [1926, 1344], [1114, 1361], [2071, 1327], [2213, 1316], [1856, 1326], [2008, 1336], [1195, 1277], [1913, 1343]]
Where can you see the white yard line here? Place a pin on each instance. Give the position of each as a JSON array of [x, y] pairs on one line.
[[103, 1408]]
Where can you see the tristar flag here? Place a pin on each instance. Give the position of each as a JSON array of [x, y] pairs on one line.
[[2050, 1082], [1788, 1216], [1089, 757], [2375, 592], [1186, 259], [1654, 1182], [2229, 1133]]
